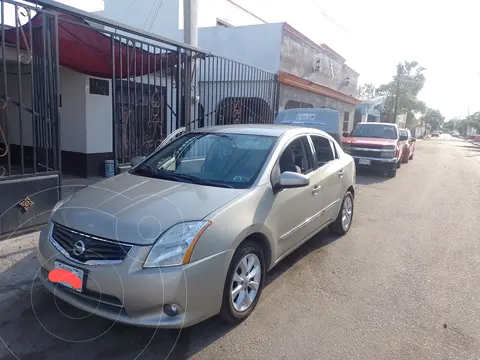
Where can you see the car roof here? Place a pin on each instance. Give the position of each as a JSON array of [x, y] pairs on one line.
[[259, 129]]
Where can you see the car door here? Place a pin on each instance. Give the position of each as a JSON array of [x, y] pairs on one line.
[[329, 173], [292, 209]]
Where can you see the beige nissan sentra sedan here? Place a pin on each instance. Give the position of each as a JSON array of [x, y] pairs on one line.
[[191, 231]]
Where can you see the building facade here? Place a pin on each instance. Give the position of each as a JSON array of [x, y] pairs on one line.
[[309, 74]]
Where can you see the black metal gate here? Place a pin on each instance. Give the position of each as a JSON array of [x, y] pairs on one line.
[[30, 162]]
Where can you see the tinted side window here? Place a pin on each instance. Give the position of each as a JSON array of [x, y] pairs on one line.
[[297, 157], [323, 150]]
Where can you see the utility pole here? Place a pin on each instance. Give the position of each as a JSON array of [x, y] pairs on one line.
[[190, 22], [190, 37], [399, 73]]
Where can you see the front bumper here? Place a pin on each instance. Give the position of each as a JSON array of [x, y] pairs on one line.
[[375, 163], [128, 293]]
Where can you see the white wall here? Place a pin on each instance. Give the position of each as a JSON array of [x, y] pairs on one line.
[[72, 111], [169, 18], [256, 45], [98, 119], [211, 10], [143, 15], [11, 122]]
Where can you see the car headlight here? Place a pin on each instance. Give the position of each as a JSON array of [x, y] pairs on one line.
[[387, 154], [175, 246], [60, 203]]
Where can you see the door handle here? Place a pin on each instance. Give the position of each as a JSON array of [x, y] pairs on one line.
[[341, 173], [316, 189]]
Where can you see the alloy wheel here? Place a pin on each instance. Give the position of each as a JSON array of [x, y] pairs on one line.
[[347, 210], [245, 282]]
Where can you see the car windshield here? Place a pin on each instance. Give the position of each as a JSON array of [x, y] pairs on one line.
[[403, 133], [375, 131], [212, 159]]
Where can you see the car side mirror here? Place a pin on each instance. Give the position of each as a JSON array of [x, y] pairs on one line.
[[136, 160], [345, 134], [289, 179]]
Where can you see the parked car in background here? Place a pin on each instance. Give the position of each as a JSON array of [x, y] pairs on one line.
[[191, 230], [324, 119], [455, 134], [435, 133], [410, 142], [376, 146]]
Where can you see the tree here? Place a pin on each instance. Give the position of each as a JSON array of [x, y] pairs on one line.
[[410, 80], [434, 118], [366, 92]]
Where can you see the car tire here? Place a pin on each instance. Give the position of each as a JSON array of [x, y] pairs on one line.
[[253, 251], [392, 173], [338, 226]]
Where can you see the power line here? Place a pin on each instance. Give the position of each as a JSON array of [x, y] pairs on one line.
[[128, 10], [155, 16], [330, 17]]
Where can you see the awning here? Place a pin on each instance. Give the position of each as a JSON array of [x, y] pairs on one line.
[[87, 50]]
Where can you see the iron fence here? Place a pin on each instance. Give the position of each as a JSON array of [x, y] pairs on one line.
[[193, 90], [29, 101], [158, 85]]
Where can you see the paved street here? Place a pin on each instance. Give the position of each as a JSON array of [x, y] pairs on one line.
[[403, 284]]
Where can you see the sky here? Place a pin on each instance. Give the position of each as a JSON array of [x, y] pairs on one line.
[[381, 33], [375, 35]]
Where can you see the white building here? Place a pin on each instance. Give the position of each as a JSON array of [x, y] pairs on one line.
[[165, 17]]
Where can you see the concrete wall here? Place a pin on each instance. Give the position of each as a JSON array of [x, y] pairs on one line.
[[292, 93], [299, 57]]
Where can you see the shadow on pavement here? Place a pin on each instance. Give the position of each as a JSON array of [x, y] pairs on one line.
[[35, 325], [369, 177]]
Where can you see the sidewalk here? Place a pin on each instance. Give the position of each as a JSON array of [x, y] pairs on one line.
[[18, 265]]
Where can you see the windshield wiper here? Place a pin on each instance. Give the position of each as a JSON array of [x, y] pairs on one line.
[[168, 175]]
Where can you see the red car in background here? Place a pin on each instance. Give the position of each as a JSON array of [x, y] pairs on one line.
[[377, 146], [409, 149]]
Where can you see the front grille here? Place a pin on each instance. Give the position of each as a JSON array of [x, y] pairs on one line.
[[366, 153], [368, 146], [88, 248]]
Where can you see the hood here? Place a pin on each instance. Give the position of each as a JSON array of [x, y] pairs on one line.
[[369, 141], [136, 209]]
